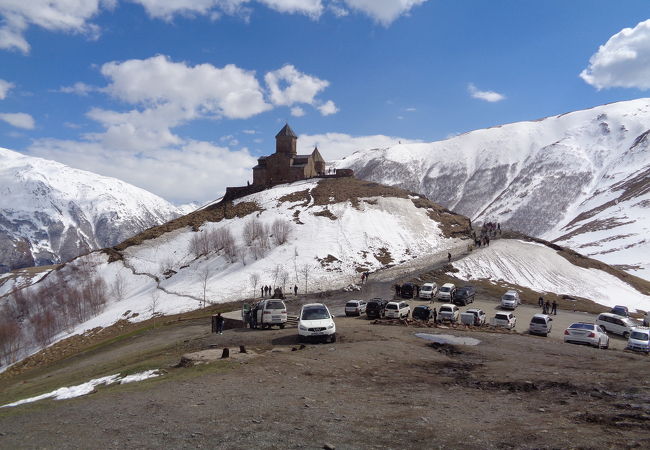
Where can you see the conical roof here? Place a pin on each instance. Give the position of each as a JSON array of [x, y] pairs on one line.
[[286, 131]]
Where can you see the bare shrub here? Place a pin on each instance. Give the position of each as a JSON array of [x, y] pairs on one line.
[[280, 230], [219, 238], [254, 279], [258, 250], [200, 244], [45, 328], [94, 291], [118, 287], [305, 271], [167, 265], [230, 250], [284, 277], [205, 276], [276, 274], [22, 303], [253, 229], [154, 304], [10, 338]]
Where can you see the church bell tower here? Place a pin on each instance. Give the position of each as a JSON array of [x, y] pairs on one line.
[[285, 141]]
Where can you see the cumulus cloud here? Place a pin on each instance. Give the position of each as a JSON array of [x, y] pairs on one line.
[[18, 120], [297, 111], [5, 87], [71, 16], [194, 171], [335, 146], [78, 88], [288, 86], [488, 96], [384, 11], [623, 61], [312, 8], [328, 108]]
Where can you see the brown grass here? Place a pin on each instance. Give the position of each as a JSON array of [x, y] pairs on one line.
[[326, 213]]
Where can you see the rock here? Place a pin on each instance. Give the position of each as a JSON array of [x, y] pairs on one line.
[[327, 446], [541, 410]]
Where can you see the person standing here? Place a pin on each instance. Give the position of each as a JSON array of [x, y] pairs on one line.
[[262, 291], [295, 289], [220, 322], [540, 302], [554, 308], [448, 257], [435, 315]]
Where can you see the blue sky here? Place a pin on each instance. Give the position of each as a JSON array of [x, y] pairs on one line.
[[180, 96]]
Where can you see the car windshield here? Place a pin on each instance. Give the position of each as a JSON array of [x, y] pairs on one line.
[[275, 305], [539, 320], [352, 304], [583, 326], [508, 297], [315, 313], [445, 289], [501, 316], [426, 288], [445, 309], [639, 335], [391, 306]]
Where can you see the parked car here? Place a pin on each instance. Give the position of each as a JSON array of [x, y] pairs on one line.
[[620, 311], [270, 312], [355, 307], [428, 290], [397, 310], [315, 321], [504, 319], [540, 324], [613, 323], [449, 312], [375, 308], [510, 300], [474, 317], [464, 295], [408, 290], [586, 333], [422, 312], [446, 292], [639, 340]]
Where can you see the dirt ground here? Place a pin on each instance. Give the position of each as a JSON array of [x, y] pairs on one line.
[[378, 386]]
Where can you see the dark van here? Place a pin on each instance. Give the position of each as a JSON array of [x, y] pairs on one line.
[[375, 308], [464, 295], [408, 290]]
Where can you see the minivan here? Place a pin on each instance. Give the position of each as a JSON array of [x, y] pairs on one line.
[[397, 310], [540, 324], [612, 323], [428, 290], [464, 295], [270, 312], [639, 340], [355, 307], [510, 300], [446, 291]]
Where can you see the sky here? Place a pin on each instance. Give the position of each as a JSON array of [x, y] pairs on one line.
[[180, 97]]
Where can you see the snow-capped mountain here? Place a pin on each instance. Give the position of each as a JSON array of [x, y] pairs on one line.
[[51, 213], [581, 179]]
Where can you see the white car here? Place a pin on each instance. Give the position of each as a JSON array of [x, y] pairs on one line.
[[613, 323], [586, 333], [510, 300], [270, 312], [449, 312], [428, 290], [355, 307], [504, 319], [474, 317], [639, 340], [446, 291], [397, 310], [315, 321], [540, 324]]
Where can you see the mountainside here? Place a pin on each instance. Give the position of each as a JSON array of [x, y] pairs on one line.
[[581, 179], [51, 213]]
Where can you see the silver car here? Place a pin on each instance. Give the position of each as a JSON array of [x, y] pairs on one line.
[[355, 307], [586, 333], [540, 324]]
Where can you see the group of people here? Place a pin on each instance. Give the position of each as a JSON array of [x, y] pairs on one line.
[[364, 277], [489, 229], [265, 291], [547, 308]]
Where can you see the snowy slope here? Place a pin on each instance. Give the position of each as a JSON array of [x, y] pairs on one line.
[[51, 213], [581, 178], [542, 269]]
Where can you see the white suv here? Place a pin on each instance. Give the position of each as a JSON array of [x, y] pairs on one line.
[[504, 319], [428, 290], [449, 312], [355, 307], [397, 310], [315, 321], [446, 291], [510, 300]]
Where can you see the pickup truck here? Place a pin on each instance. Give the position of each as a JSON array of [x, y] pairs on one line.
[[504, 319]]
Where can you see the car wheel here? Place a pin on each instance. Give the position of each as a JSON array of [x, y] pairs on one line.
[[604, 329], [333, 338], [282, 326], [607, 344], [626, 335]]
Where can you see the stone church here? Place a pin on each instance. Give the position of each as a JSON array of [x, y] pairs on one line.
[[285, 165]]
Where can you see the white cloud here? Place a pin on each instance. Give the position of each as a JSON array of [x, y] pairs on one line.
[[623, 61], [249, 131], [338, 145], [488, 96], [288, 86], [297, 111], [194, 171], [312, 8], [5, 87], [69, 16], [78, 88], [19, 120], [411, 109], [384, 11], [328, 108], [337, 9]]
